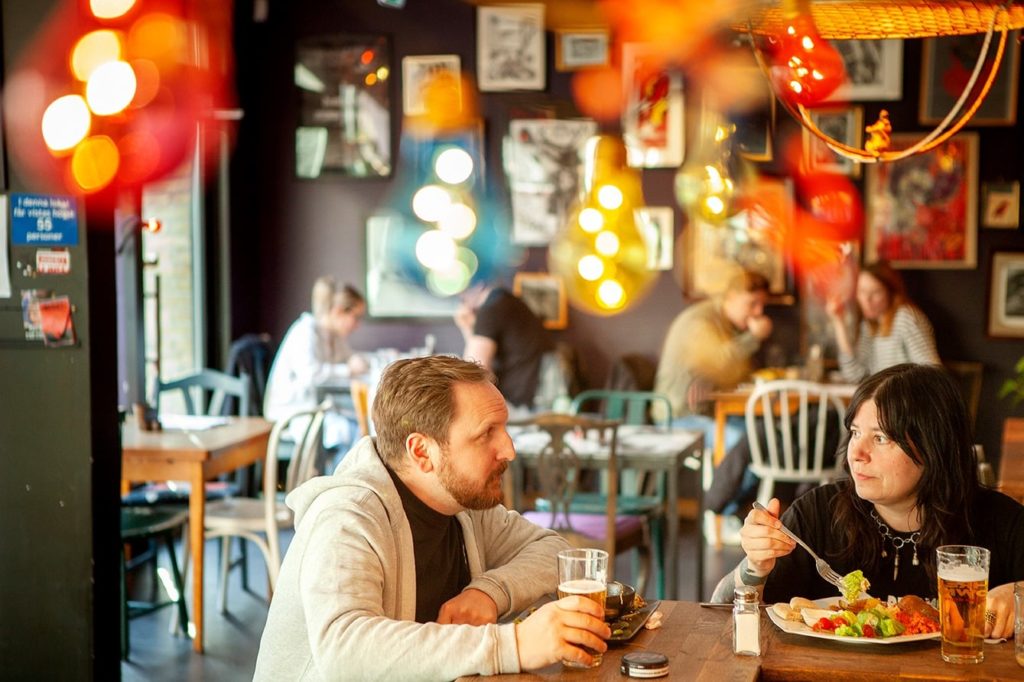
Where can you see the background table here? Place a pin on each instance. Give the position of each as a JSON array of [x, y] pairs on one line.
[[193, 456], [640, 449], [698, 643]]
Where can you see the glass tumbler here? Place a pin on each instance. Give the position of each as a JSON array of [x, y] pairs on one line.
[[583, 572], [963, 589]]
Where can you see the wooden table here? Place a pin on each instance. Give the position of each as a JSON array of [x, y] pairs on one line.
[[640, 449], [698, 643], [195, 457]]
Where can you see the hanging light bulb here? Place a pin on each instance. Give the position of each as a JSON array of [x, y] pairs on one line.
[[600, 253], [805, 68], [705, 185]]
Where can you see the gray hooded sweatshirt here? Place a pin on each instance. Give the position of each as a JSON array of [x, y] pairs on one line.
[[344, 606]]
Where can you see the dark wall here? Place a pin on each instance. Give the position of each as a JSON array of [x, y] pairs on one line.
[[287, 231]]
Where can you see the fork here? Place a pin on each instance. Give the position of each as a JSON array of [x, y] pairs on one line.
[[824, 570]]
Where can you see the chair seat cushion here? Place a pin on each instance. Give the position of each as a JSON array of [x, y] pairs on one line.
[[245, 513], [175, 492], [591, 525]]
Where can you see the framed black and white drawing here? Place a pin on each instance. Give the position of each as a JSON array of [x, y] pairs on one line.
[[510, 47], [580, 48], [543, 160], [844, 124], [874, 70]]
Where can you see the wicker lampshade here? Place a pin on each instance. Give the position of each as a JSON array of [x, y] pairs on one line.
[[880, 19]]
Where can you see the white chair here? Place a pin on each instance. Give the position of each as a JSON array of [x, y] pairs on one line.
[[780, 412], [260, 520]]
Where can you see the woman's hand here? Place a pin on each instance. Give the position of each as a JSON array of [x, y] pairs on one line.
[[1000, 603], [761, 539], [557, 630]]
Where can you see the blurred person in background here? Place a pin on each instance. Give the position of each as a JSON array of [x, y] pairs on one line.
[[315, 352], [892, 329], [506, 337]]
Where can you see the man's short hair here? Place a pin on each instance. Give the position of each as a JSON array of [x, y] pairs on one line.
[[417, 396], [748, 281]]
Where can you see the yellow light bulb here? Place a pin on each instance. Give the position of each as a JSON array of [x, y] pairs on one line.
[[610, 294], [610, 197], [590, 268], [65, 122], [110, 88], [458, 221], [606, 243], [454, 165], [430, 203], [591, 220], [110, 9], [93, 49]]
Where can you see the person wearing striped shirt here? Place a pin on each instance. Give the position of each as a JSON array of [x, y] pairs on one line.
[[892, 329]]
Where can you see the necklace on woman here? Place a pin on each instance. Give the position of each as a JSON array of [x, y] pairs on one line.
[[897, 543]]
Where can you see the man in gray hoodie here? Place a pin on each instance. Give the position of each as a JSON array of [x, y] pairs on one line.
[[404, 560]]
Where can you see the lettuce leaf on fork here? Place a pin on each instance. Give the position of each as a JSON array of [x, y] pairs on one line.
[[854, 583]]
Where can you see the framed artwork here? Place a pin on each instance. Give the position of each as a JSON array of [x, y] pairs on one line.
[[946, 66], [652, 124], [921, 212], [845, 124], [1000, 204], [421, 70], [581, 48], [753, 238], [657, 225], [350, 135], [874, 70], [832, 275], [545, 295], [543, 161], [510, 47], [753, 136], [1006, 295], [388, 292]]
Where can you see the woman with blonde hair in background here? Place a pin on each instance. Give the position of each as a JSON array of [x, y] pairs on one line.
[[892, 329], [315, 352]]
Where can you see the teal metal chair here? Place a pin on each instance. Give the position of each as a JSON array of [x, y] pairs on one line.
[[640, 493]]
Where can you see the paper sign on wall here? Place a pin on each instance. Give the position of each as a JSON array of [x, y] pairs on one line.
[[43, 220], [53, 261]]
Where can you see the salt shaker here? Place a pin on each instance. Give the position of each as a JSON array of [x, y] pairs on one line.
[[746, 627]]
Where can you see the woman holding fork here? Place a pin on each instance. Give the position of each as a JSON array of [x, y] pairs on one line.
[[911, 485]]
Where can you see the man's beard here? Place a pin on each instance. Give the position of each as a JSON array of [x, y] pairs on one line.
[[464, 492]]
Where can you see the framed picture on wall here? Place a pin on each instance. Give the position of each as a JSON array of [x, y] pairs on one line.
[[657, 225], [844, 124], [1000, 204], [652, 123], [422, 70], [753, 238], [874, 70], [581, 48], [1006, 295], [543, 160], [946, 65], [388, 292], [510, 47], [545, 295], [921, 212], [348, 136]]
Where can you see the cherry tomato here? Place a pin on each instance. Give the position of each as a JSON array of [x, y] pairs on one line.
[[826, 624], [868, 630]]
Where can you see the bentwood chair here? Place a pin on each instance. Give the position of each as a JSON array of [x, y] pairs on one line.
[[789, 435], [560, 467]]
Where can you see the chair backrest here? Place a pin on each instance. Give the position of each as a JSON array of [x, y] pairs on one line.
[[787, 428], [968, 378], [632, 372], [212, 386], [630, 407], [1011, 459], [250, 354], [559, 470]]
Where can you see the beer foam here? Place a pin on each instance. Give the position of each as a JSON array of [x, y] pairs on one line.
[[963, 574], [583, 586]]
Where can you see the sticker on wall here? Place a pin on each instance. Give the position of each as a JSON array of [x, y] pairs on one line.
[[30, 318], [43, 220], [53, 261], [56, 320]]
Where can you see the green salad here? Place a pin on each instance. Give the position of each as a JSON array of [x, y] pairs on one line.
[[874, 622], [854, 583]]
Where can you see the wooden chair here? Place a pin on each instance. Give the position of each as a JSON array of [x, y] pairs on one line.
[[781, 411], [211, 387], [361, 404], [559, 472], [968, 377], [1011, 459], [259, 520]]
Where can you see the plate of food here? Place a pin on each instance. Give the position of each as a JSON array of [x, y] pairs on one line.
[[624, 624], [864, 621]]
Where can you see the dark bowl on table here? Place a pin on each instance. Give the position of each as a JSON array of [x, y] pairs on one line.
[[618, 601]]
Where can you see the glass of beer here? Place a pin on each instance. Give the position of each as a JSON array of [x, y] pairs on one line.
[[583, 572], [963, 587]]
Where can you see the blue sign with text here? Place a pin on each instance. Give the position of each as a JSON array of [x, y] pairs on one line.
[[43, 220]]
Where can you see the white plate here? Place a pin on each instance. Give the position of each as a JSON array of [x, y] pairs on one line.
[[794, 628]]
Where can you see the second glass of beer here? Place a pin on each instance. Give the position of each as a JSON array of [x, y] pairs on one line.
[[963, 588], [583, 572]]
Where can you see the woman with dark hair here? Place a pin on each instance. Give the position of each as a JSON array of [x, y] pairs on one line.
[[892, 329], [911, 485]]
